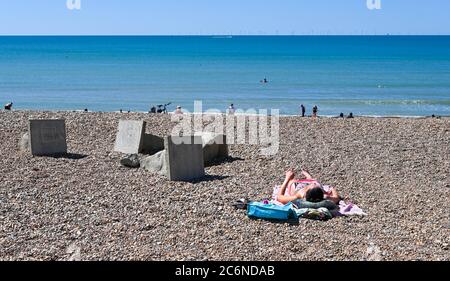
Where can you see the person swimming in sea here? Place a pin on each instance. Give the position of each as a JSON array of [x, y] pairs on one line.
[[265, 81]]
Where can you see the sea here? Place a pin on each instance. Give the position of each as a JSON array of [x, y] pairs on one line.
[[365, 75]]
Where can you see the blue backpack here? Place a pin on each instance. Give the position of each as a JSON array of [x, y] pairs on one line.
[[260, 210]]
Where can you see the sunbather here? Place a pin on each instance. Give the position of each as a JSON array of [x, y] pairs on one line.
[[308, 189]]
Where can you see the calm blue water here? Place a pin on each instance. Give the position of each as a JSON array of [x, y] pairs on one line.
[[384, 75]]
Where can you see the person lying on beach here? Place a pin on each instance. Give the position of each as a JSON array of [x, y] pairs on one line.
[[308, 189]]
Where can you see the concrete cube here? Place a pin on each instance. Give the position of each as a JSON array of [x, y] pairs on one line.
[[130, 136], [184, 158], [47, 137]]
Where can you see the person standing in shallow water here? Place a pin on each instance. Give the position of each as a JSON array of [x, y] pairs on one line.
[[303, 108], [315, 110]]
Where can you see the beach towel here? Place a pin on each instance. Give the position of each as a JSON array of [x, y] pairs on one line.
[[275, 210]]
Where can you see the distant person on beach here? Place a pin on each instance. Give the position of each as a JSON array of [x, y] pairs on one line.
[[303, 108], [308, 189], [8, 106], [350, 115], [231, 109], [178, 110], [315, 110], [341, 115], [153, 109], [86, 110], [121, 111]]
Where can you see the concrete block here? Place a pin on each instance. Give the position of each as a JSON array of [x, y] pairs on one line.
[[130, 136], [214, 146], [184, 158], [47, 137], [155, 163], [24, 143]]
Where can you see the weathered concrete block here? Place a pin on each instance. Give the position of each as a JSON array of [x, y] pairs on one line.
[[152, 144], [130, 136], [214, 146], [24, 143], [47, 137], [184, 158], [155, 163]]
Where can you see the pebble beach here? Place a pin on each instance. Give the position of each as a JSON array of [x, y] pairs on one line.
[[89, 207]]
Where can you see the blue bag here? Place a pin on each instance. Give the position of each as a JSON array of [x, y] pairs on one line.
[[271, 211]]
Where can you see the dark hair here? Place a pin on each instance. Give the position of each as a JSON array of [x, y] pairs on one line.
[[314, 195]]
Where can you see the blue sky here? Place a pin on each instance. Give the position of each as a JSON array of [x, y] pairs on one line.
[[202, 17]]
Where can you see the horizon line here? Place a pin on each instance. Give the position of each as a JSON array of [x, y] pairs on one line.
[[215, 35]]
